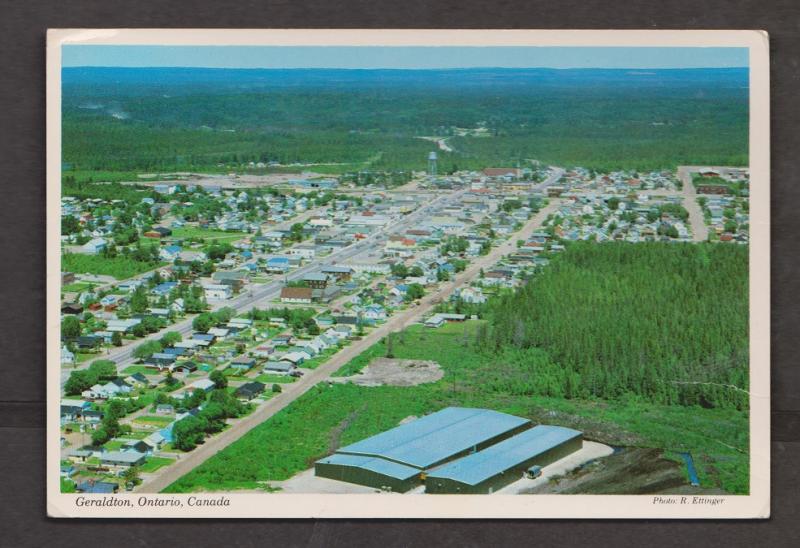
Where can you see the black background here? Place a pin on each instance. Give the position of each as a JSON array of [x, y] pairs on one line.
[[22, 267]]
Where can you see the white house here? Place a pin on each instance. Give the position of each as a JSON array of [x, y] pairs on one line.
[[303, 251], [217, 292], [94, 246]]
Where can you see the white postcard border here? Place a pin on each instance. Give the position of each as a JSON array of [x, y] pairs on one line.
[[754, 505]]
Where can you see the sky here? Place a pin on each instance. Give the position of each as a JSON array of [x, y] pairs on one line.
[[371, 57]]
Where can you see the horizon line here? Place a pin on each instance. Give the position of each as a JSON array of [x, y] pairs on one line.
[[403, 69]]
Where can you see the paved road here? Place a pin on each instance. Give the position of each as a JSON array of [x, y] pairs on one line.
[[397, 322], [696, 218]]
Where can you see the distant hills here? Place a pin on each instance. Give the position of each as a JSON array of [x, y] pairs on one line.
[[176, 80]]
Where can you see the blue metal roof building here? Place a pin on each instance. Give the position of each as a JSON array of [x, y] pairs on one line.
[[387, 459], [371, 471], [501, 464]]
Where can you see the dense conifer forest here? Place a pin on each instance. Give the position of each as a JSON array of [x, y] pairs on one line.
[[664, 322], [146, 119]]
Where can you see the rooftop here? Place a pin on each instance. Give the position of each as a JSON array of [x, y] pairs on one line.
[[507, 454], [381, 466], [432, 439]]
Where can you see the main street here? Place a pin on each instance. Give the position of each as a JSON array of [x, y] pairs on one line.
[[168, 475]]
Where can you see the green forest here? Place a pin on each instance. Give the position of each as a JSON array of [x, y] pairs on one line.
[[665, 322], [374, 124]]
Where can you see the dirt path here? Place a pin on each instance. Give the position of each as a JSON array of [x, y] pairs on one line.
[[696, 218], [291, 392]]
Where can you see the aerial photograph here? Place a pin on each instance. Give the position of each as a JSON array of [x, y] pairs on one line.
[[404, 270]]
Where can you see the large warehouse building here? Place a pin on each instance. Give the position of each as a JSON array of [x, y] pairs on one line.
[[455, 450], [396, 458], [504, 463]]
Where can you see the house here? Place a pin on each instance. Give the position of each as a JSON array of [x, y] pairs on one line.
[[282, 367], [472, 295], [94, 246], [219, 333], [66, 355], [72, 308], [87, 342], [163, 289], [316, 280], [169, 253], [250, 390], [99, 487], [438, 319], [155, 441], [282, 340], [185, 367], [164, 409], [123, 458], [137, 379], [277, 265], [217, 292], [374, 313], [122, 326], [243, 363], [72, 410], [303, 251], [161, 359], [162, 231], [340, 273], [296, 358], [205, 385], [92, 417], [139, 446], [296, 295]]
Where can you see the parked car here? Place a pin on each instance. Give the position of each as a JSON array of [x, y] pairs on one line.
[[534, 471]]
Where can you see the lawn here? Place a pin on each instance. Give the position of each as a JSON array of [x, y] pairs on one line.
[[269, 378], [81, 357], [77, 287], [186, 232], [119, 267], [316, 361], [154, 420], [154, 463], [133, 369], [329, 416]]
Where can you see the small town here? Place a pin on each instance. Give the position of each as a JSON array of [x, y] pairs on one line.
[[196, 307]]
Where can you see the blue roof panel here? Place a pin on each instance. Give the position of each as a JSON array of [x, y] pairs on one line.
[[385, 467], [480, 466], [435, 437]]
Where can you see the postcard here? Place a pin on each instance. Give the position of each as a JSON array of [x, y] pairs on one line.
[[408, 274]]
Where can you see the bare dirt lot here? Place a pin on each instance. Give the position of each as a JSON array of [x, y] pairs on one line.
[[307, 482], [394, 372], [631, 471]]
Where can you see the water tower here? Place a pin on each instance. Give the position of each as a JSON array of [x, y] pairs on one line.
[[432, 164]]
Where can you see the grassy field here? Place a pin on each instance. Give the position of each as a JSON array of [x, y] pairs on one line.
[[77, 287], [133, 369], [154, 463], [119, 267], [154, 420], [269, 378], [186, 232], [331, 416]]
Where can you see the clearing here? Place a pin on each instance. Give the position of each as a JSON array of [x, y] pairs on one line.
[[395, 372]]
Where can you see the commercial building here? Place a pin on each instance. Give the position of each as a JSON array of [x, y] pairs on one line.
[[499, 465], [397, 458]]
